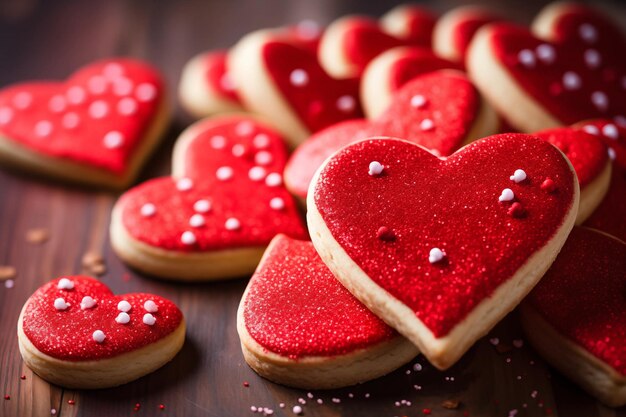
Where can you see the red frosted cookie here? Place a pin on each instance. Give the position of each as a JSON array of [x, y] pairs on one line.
[[410, 22], [390, 70], [300, 327], [283, 81], [97, 127], [215, 215], [76, 333], [571, 69], [441, 111], [442, 249], [576, 316]]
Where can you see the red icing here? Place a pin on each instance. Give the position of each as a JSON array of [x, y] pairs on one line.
[[603, 77], [317, 102], [413, 62], [449, 204], [583, 295], [217, 77], [239, 197], [33, 114], [296, 308], [420, 24], [465, 29], [452, 103], [68, 334]]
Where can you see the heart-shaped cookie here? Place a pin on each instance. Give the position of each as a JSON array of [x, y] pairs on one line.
[[97, 127], [215, 215], [571, 70], [390, 70], [75, 332], [442, 249], [283, 81], [441, 111], [410, 22], [575, 317], [300, 327]]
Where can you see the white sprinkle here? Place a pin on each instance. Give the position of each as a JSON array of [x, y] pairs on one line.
[[588, 33], [9, 283], [261, 141], [87, 303], [494, 341], [526, 58], [277, 203], [418, 101], [257, 173], [145, 92], [435, 255], [60, 304], [65, 284], [122, 86], [612, 154], [227, 83], [148, 210], [310, 395], [281, 405], [427, 124], [593, 58], [113, 70], [238, 150], [507, 195], [124, 306], [149, 319], [53, 411], [297, 409], [375, 168], [600, 100], [98, 336], [224, 173], [22, 100], [113, 140], [98, 109], [299, 77], [232, 224], [253, 409], [518, 176], [127, 106], [610, 131], [184, 184], [57, 104], [150, 306], [6, 115], [43, 128], [122, 318], [97, 84], [571, 80], [417, 367], [273, 180], [202, 206], [546, 53], [218, 142], [188, 238], [70, 120], [263, 158], [320, 401], [244, 128], [197, 220], [308, 29], [592, 130], [76, 94], [346, 104]]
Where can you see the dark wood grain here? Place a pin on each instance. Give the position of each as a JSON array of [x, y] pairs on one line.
[[49, 39]]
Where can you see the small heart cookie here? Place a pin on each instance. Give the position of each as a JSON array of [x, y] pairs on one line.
[[390, 70], [570, 70], [215, 215], [97, 127], [441, 111], [576, 316], [410, 22], [442, 248], [300, 327], [283, 81], [74, 332]]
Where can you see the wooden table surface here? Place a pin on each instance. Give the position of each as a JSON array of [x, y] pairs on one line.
[[50, 39]]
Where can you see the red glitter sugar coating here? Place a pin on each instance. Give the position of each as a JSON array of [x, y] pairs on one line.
[[238, 197], [583, 295], [41, 115], [316, 102], [215, 71], [68, 334], [413, 62], [449, 204], [465, 29], [420, 24], [544, 80], [296, 308]]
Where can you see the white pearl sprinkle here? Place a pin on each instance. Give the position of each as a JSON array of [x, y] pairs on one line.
[[273, 180], [197, 220], [150, 306], [593, 59], [297, 409], [263, 158], [518, 176], [65, 284], [76, 94], [97, 84], [113, 140], [588, 33], [346, 104], [526, 58], [148, 210], [232, 224], [9, 283], [146, 92], [507, 195], [375, 168], [184, 184], [571, 80], [299, 77], [257, 173], [98, 109], [22, 100], [122, 318], [244, 128], [546, 53], [218, 142], [435, 255], [149, 319], [122, 86], [277, 203], [57, 104], [261, 141], [610, 131], [202, 206], [238, 150], [87, 303], [600, 100], [418, 101], [427, 124], [188, 238], [70, 120], [43, 128], [592, 130], [98, 336], [113, 70], [127, 106], [124, 306], [224, 173], [6, 115], [60, 304], [612, 154]]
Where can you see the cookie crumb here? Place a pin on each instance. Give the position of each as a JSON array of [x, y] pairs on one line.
[[91, 258], [37, 236], [451, 404], [7, 272]]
